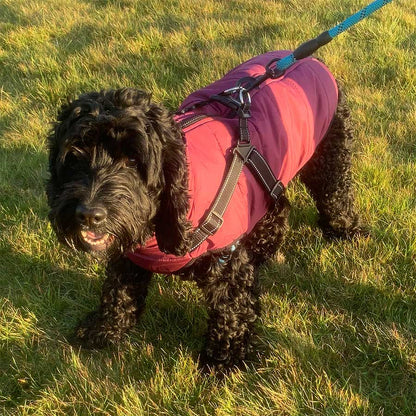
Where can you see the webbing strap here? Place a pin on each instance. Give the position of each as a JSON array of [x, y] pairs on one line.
[[213, 221], [244, 133], [244, 153], [261, 169]]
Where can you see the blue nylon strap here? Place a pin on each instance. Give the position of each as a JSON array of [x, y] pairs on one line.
[[285, 63], [357, 17], [309, 47]]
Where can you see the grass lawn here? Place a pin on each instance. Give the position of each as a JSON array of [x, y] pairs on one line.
[[338, 331]]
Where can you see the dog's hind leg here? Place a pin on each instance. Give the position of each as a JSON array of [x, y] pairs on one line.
[[122, 301], [327, 176]]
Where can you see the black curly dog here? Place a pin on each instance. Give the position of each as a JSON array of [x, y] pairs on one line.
[[126, 180]]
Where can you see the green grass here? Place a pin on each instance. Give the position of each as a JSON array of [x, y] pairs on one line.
[[337, 334]]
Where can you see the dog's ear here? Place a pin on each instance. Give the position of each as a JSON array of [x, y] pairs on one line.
[[171, 225], [170, 171]]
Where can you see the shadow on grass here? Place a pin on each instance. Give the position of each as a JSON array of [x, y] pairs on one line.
[[10, 17], [393, 302], [99, 4]]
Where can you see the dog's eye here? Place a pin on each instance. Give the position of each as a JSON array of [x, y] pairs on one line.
[[131, 162]]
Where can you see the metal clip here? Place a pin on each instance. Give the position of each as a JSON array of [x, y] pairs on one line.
[[226, 257], [231, 90], [244, 98]]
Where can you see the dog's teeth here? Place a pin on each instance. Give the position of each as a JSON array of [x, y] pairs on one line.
[[93, 240]]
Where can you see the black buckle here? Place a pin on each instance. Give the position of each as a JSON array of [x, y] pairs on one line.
[[211, 224], [277, 190], [244, 150], [226, 100]]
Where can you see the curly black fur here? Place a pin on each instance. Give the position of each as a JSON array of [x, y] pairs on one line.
[[119, 151], [118, 175]]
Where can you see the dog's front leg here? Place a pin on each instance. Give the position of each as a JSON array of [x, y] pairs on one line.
[[232, 300], [122, 301]]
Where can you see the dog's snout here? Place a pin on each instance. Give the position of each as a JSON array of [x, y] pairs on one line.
[[90, 216]]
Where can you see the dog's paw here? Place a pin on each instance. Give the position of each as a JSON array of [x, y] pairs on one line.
[[336, 232], [346, 234], [94, 333], [217, 368]]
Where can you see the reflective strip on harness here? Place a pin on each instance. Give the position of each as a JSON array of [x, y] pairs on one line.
[[214, 219]]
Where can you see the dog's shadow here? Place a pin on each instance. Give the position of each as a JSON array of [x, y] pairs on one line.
[[174, 317]]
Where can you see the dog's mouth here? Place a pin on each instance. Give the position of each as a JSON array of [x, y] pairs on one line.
[[97, 241]]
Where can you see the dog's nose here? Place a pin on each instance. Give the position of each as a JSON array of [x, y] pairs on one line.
[[90, 216]]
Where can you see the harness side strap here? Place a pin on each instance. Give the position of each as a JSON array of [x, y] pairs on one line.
[[244, 153], [256, 162], [214, 219], [261, 169]]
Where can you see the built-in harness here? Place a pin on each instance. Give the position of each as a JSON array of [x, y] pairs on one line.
[[298, 108], [237, 99]]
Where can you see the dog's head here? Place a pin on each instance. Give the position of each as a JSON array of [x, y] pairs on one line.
[[117, 174]]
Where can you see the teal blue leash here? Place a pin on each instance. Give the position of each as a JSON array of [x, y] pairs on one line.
[[304, 50], [309, 47]]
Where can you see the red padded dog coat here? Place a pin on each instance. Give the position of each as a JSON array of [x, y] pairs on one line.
[[290, 115]]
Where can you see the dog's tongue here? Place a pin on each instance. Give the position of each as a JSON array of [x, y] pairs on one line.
[[98, 241], [94, 236]]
